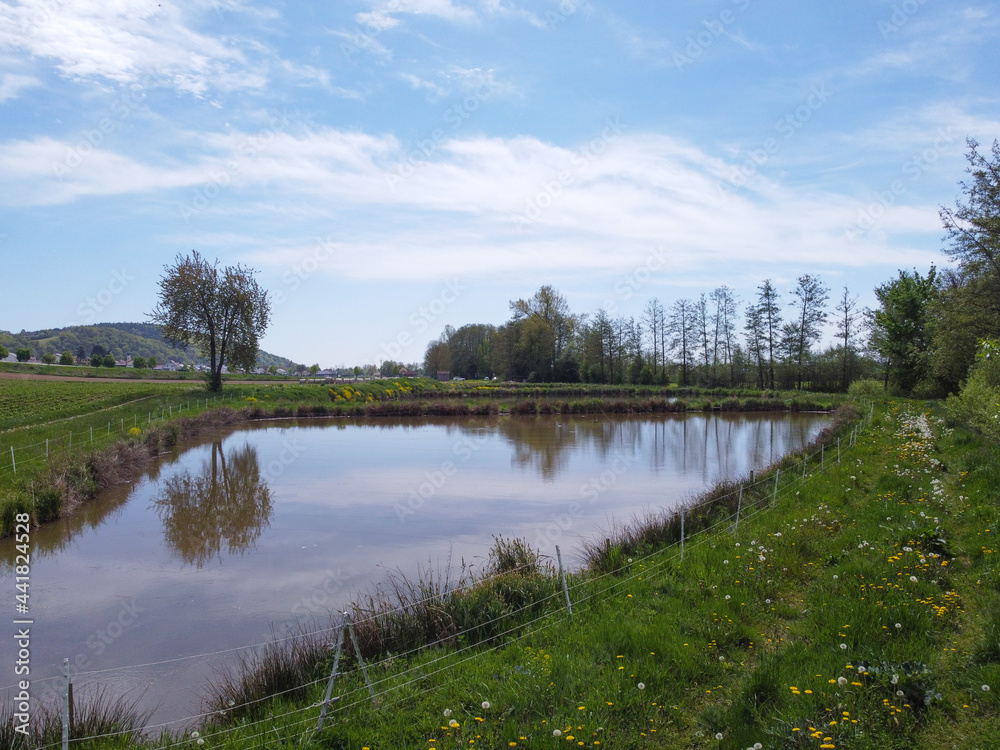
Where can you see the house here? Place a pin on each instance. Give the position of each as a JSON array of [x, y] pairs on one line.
[[404, 373], [444, 374], [9, 358]]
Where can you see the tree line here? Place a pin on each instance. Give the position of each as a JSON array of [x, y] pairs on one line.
[[922, 339]]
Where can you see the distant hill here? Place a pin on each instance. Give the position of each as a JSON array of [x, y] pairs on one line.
[[120, 339]]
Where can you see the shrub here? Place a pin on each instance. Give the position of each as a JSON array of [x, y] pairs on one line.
[[108, 360], [48, 504], [49, 358], [139, 363], [978, 403], [866, 388], [23, 354], [67, 358]]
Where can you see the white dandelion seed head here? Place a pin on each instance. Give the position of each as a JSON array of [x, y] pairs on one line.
[[725, 562], [642, 686], [767, 601], [895, 679], [727, 597], [718, 735], [447, 713], [836, 577], [899, 693], [899, 625], [556, 733], [842, 681], [843, 647], [913, 579], [201, 741], [195, 735], [757, 746], [486, 704], [986, 688], [452, 723]]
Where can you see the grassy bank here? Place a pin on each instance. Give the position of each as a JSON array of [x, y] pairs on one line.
[[861, 611]]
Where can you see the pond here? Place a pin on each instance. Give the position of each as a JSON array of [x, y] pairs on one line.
[[222, 543]]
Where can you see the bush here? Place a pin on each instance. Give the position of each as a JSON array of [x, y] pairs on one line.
[[95, 360], [866, 388], [23, 354], [108, 360], [49, 358], [978, 403], [4, 352], [67, 358], [139, 363]]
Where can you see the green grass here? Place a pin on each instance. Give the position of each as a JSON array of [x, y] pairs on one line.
[[783, 633]]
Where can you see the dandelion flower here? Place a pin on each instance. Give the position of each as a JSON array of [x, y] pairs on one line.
[[718, 735], [986, 688], [899, 693], [899, 625], [556, 733], [913, 579], [843, 647], [195, 735], [486, 705], [842, 681], [201, 741], [452, 723], [447, 713]]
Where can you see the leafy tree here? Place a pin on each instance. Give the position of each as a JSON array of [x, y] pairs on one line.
[[108, 360], [811, 297], [98, 350], [95, 360], [900, 331], [974, 226], [222, 312], [67, 358], [139, 363], [49, 358], [313, 369], [23, 354], [272, 370], [548, 331], [4, 352], [151, 362], [848, 325]]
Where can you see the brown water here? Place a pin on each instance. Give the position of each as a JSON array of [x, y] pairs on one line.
[[155, 585]]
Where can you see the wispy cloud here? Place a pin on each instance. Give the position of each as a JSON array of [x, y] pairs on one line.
[[12, 84]]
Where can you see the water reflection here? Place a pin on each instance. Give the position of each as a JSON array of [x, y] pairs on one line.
[[226, 505]]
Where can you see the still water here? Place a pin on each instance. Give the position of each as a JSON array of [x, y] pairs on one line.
[[154, 586]]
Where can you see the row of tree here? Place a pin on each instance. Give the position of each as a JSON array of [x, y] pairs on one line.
[[922, 339], [704, 341]]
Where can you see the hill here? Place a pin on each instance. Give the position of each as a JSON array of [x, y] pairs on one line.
[[120, 339]]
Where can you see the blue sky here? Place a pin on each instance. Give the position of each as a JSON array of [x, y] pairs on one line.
[[392, 166]]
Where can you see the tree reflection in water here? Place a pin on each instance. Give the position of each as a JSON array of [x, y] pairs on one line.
[[225, 506]]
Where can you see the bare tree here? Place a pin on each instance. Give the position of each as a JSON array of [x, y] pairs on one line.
[[681, 325], [848, 326], [811, 297]]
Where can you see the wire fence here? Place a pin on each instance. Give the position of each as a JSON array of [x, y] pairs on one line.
[[583, 589], [21, 458]]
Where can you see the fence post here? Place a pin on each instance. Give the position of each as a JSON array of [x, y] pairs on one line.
[[774, 500], [46, 449], [92, 433], [66, 700], [682, 534], [838, 450], [333, 673], [739, 507], [805, 460], [361, 661], [562, 575], [822, 457], [12, 461]]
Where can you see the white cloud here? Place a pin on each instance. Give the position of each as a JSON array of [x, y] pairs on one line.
[[123, 42], [12, 84], [484, 205]]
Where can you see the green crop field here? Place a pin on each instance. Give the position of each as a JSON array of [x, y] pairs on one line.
[[32, 402]]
